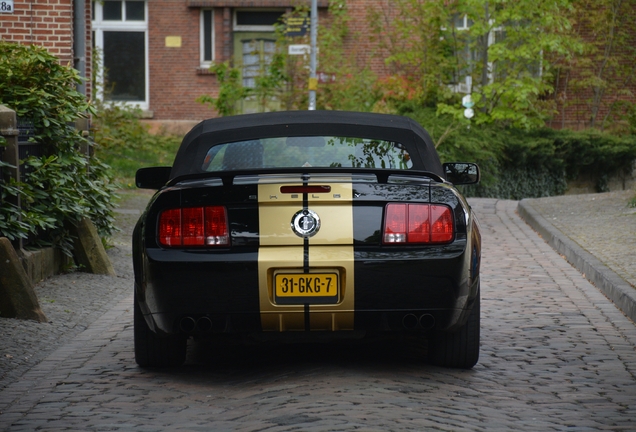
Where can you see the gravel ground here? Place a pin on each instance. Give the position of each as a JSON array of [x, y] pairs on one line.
[[72, 301]]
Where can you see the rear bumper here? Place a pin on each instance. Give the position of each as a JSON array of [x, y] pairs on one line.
[[199, 293]]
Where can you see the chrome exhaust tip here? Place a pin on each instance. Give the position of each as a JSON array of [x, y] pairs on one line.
[[187, 324], [204, 324], [427, 321], [409, 321]]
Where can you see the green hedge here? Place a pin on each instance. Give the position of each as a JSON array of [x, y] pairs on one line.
[[518, 164]]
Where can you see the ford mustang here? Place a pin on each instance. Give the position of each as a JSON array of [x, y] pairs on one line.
[[307, 225]]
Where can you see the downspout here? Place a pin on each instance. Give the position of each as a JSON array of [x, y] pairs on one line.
[[79, 42]]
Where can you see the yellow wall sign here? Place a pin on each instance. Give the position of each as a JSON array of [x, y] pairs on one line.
[[173, 41]]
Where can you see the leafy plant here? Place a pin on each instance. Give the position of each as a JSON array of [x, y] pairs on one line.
[[500, 52], [284, 78], [518, 163], [66, 184], [231, 90]]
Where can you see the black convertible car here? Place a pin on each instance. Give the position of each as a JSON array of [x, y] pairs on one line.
[[303, 225]]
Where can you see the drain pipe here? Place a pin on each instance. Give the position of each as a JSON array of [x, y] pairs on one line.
[[79, 42]]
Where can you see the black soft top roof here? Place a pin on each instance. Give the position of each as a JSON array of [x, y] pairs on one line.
[[245, 127]]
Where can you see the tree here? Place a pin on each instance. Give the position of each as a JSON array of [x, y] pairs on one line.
[[499, 51]]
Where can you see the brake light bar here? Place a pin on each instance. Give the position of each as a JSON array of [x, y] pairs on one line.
[[418, 224], [194, 226], [304, 189]]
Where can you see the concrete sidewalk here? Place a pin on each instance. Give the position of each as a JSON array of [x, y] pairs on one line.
[[596, 233]]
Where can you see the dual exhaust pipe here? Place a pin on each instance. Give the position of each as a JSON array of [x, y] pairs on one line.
[[423, 322], [190, 325]]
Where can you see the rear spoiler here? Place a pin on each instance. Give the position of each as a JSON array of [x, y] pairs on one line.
[[456, 173]]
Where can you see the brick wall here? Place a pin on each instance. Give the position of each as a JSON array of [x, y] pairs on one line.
[[176, 78], [360, 41], [575, 103], [47, 23]]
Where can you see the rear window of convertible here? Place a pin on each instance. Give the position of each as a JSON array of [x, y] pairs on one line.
[[312, 151]]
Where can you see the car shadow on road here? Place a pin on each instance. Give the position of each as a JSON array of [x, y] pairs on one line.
[[244, 361]]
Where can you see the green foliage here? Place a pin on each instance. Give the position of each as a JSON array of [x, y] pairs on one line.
[[284, 81], [126, 145], [231, 90], [64, 185], [517, 163], [503, 47], [37, 87]]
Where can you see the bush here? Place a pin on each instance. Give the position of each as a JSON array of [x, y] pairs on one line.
[[518, 164], [125, 144], [64, 185]]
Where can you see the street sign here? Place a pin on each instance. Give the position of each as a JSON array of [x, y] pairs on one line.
[[299, 49], [297, 26], [467, 101], [469, 113], [326, 77]]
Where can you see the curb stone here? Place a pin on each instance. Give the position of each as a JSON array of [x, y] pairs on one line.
[[605, 279]]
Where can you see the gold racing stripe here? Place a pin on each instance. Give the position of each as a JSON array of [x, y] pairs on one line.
[[330, 249]]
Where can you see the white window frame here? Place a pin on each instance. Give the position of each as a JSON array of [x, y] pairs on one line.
[[253, 28], [204, 62], [99, 26]]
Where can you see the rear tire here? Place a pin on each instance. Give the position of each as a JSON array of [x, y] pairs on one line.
[[152, 350], [459, 349]]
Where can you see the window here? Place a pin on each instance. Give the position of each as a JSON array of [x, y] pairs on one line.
[[461, 79], [257, 56], [207, 37], [468, 54], [120, 36], [309, 151]]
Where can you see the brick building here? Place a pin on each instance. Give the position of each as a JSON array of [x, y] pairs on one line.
[[61, 26], [164, 50]]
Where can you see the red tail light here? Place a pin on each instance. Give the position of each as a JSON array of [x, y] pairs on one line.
[[418, 223], [194, 226]]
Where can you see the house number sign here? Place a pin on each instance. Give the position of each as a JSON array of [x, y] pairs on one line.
[[6, 6]]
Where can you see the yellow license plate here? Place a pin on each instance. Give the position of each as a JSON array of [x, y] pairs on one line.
[[289, 285]]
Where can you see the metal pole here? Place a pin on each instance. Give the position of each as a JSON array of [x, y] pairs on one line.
[[313, 81]]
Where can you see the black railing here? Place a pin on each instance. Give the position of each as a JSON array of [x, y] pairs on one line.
[[25, 147]]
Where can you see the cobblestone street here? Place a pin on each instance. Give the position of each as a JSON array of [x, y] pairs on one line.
[[556, 355]]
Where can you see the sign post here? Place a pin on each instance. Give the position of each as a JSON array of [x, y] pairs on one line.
[[313, 31]]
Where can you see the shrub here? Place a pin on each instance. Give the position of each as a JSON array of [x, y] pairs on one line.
[[126, 145], [518, 163], [64, 185]]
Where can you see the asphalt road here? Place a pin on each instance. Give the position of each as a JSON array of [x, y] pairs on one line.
[[555, 355]]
